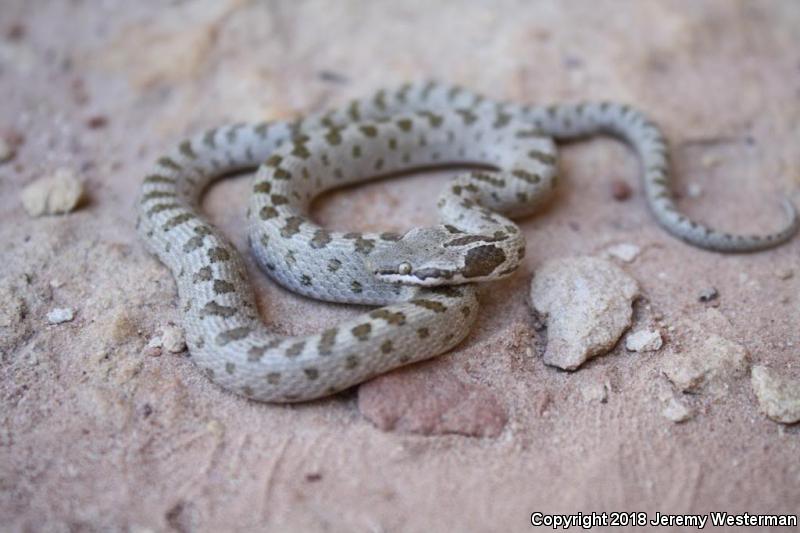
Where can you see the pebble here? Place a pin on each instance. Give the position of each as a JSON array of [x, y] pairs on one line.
[[708, 294], [60, 315], [97, 122], [620, 190], [677, 411], [6, 151], [153, 348], [784, 273], [778, 396], [172, 339], [624, 251], [644, 340], [595, 393], [587, 303], [694, 190], [712, 364], [56, 194]]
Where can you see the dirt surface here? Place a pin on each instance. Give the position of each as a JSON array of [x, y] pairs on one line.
[[99, 433]]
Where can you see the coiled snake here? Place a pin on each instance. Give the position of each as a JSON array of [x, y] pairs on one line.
[[425, 278]]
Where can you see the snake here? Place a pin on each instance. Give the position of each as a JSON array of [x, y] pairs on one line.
[[422, 282]]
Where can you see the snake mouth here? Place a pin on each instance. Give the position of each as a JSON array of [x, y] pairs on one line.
[[422, 276]]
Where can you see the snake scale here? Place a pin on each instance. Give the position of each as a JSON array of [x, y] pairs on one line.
[[424, 279]]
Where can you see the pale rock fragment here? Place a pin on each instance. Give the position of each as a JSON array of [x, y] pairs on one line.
[[644, 340], [587, 304], [60, 315], [53, 195], [778, 396]]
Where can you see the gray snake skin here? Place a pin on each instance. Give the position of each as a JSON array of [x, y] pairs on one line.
[[425, 279]]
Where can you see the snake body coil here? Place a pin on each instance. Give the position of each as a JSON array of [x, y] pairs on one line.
[[424, 279]]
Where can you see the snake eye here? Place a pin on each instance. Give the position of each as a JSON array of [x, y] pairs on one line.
[[404, 268]]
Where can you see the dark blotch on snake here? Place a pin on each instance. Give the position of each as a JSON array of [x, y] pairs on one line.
[[231, 335], [262, 187], [327, 341], [362, 331], [482, 261], [212, 308], [295, 349], [267, 212], [321, 239], [223, 287], [395, 319], [204, 274], [431, 305], [218, 255]]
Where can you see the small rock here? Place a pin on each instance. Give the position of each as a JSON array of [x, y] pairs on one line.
[[97, 122], [587, 303], [60, 315], [784, 273], [624, 251], [711, 365], [431, 401], [677, 411], [708, 294], [778, 396], [6, 151], [694, 190], [644, 340], [620, 190], [153, 348], [57, 194], [595, 392], [172, 339]]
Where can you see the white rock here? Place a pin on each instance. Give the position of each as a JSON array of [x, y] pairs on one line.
[[677, 411], [153, 348], [53, 195], [60, 315], [624, 251], [172, 339], [587, 303], [778, 396], [6, 152], [711, 364], [708, 294], [694, 190], [644, 340], [595, 392]]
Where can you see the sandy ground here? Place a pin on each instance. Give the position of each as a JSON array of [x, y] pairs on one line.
[[96, 435]]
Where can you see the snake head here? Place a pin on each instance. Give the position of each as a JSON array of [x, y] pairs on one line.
[[441, 255]]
